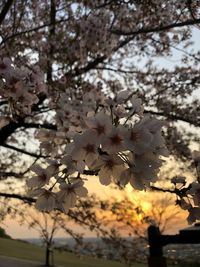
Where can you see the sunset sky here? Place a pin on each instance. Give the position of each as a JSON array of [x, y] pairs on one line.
[[16, 230]]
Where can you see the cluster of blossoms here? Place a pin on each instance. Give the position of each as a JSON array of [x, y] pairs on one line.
[[94, 37], [20, 86], [97, 135], [95, 32], [188, 196]]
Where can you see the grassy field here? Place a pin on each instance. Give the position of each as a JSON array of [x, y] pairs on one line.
[[21, 250]]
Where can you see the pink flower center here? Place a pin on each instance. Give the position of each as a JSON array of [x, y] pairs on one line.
[[116, 140], [89, 148], [43, 177], [47, 194], [100, 129], [110, 164], [3, 66], [134, 136]]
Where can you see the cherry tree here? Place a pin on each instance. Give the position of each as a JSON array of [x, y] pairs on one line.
[[82, 94]]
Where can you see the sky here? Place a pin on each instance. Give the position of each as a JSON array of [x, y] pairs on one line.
[[15, 230]]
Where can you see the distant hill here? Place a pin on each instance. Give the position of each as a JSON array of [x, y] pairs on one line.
[[62, 241], [3, 234]]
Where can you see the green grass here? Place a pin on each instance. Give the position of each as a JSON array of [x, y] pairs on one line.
[[21, 250]]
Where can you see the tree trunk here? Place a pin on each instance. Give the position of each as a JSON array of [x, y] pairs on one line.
[[47, 259]]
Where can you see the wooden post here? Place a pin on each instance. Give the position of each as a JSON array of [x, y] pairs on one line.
[[157, 241], [156, 258]]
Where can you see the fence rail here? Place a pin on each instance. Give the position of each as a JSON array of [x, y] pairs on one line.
[[157, 241]]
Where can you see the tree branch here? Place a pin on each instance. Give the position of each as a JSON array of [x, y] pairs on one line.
[[9, 129], [51, 34], [47, 126], [173, 117], [31, 30], [155, 188], [23, 151], [90, 172], [5, 10], [130, 71], [189, 22], [132, 35], [16, 196], [10, 174]]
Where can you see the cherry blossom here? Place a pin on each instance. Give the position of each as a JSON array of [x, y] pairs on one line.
[[195, 192], [188, 195], [46, 200], [178, 180], [110, 168], [122, 149], [114, 141], [100, 124], [68, 194], [42, 178], [21, 86], [194, 214], [4, 121], [85, 147], [138, 139]]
